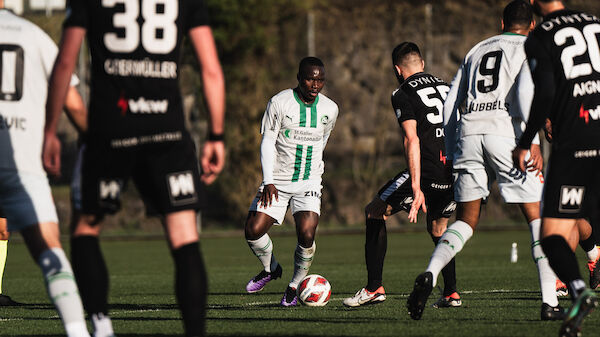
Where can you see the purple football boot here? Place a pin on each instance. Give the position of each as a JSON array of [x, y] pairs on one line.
[[289, 298], [260, 281]]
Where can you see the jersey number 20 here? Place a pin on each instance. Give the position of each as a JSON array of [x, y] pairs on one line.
[[583, 42], [154, 22]]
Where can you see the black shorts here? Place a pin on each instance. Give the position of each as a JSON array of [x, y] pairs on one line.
[[166, 176], [572, 184], [439, 198]]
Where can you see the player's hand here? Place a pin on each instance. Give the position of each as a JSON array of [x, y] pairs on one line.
[[518, 156], [266, 198], [548, 130], [536, 161], [212, 161], [51, 154], [418, 203]]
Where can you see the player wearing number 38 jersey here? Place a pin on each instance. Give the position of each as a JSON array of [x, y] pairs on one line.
[[136, 131]]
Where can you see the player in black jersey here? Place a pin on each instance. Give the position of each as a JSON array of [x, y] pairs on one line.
[[136, 130], [564, 58], [426, 184]]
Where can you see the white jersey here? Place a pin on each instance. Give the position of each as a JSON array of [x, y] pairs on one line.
[[300, 131], [27, 56], [486, 81]]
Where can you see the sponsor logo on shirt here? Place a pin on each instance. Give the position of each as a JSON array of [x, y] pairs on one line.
[[571, 198], [109, 189], [181, 188], [594, 114], [141, 105]]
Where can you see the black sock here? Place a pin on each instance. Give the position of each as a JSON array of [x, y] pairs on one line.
[[375, 248], [588, 244], [563, 262], [449, 273], [90, 273], [191, 287]]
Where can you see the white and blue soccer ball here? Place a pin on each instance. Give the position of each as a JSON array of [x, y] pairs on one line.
[[314, 290]]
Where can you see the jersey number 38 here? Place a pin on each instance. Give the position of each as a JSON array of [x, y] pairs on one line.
[[154, 22]]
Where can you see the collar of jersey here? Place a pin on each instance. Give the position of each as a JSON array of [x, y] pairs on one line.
[[511, 33], [302, 103]]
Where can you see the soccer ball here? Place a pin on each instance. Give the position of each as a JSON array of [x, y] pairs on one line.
[[314, 290]]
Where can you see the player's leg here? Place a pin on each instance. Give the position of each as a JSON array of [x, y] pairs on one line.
[[44, 245], [450, 244], [306, 226], [587, 241], [551, 310], [4, 236], [258, 223], [190, 273], [450, 296]]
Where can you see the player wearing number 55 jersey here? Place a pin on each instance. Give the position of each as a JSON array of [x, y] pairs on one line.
[[295, 128], [564, 59], [136, 131], [426, 183], [480, 148]]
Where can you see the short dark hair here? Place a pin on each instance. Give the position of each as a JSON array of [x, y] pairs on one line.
[[517, 13], [309, 61], [403, 50]]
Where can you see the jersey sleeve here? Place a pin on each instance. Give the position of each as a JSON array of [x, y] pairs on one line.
[[455, 98], [197, 14], [402, 106], [542, 74], [77, 14], [269, 129], [329, 127], [271, 122]]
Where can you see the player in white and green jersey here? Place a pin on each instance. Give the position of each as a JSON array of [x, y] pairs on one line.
[[295, 128]]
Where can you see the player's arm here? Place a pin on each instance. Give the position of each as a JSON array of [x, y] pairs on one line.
[[412, 147], [542, 74], [76, 110], [329, 127], [455, 98], [213, 154], [269, 129], [57, 92]]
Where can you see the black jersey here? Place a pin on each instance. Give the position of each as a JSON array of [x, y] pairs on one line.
[[421, 98], [135, 51], [564, 57]]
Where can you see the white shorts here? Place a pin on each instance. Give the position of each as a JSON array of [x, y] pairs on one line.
[[300, 196], [26, 199], [481, 159]]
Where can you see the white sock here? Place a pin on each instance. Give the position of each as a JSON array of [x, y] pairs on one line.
[[102, 325], [592, 255], [63, 291], [263, 249], [451, 242], [545, 272], [303, 258]]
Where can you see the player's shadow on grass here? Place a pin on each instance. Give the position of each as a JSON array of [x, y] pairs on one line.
[[143, 307]]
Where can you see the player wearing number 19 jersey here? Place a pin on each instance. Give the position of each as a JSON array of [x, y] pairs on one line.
[[486, 134], [564, 58], [136, 131], [295, 127]]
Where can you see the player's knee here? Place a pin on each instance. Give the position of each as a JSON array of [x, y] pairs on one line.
[[54, 261], [252, 231], [372, 212], [306, 237]]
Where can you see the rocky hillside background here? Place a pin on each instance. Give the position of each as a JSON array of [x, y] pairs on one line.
[[260, 43]]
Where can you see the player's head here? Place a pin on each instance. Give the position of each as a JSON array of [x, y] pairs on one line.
[[517, 17], [544, 7], [407, 60], [311, 78]]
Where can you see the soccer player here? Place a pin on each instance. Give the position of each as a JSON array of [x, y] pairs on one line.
[[295, 128], [481, 151], [427, 183], [5, 300], [564, 58], [136, 130], [27, 55]]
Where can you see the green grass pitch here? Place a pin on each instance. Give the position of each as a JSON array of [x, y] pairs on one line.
[[499, 298]]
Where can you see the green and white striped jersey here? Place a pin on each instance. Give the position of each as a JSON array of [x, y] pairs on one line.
[[300, 132]]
